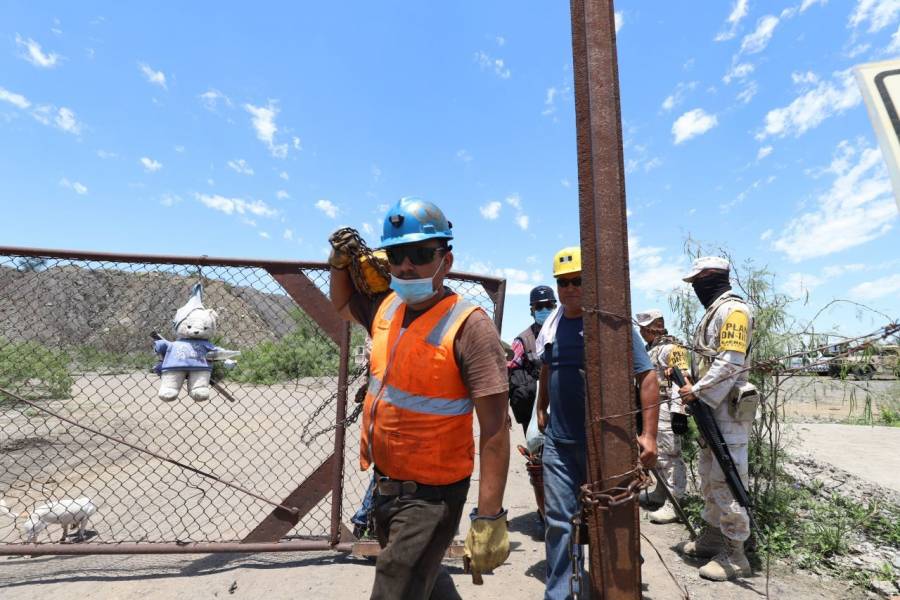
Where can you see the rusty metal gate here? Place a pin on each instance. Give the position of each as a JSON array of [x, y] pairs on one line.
[[265, 464]]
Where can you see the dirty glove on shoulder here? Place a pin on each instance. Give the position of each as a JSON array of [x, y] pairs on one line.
[[487, 544], [344, 243]]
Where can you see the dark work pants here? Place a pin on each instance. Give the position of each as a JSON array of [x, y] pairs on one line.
[[414, 534]]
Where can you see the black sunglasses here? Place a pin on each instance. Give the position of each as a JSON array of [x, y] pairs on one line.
[[418, 255], [543, 305], [576, 281]]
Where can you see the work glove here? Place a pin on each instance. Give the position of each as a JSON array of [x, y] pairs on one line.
[[487, 545], [344, 243]]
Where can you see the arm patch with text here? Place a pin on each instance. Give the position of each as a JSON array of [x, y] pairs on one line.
[[678, 358], [735, 332]]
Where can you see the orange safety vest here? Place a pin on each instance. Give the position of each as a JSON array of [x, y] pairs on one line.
[[417, 417]]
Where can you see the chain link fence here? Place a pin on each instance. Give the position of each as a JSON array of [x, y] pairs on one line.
[[75, 339]]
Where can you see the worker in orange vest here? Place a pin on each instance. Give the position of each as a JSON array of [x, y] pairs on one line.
[[434, 359]]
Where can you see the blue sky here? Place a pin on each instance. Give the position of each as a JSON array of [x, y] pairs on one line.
[[234, 130]]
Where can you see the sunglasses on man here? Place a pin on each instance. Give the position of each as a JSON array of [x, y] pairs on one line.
[[417, 255], [563, 283], [544, 305]]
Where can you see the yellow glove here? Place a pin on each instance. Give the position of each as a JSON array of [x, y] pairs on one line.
[[487, 545]]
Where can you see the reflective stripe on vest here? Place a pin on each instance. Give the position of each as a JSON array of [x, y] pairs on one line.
[[417, 418], [421, 404]]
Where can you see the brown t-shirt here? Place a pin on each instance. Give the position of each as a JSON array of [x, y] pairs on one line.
[[477, 348]]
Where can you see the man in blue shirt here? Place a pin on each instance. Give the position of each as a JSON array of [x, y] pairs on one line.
[[561, 348]]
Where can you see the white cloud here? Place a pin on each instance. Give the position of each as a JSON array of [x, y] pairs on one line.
[[264, 235], [764, 152], [77, 187], [878, 13], [804, 78], [738, 12], [238, 206], [501, 41], [808, 3], [240, 166], [327, 207], [894, 46], [150, 165], [106, 155], [284, 175], [888, 286], [650, 273], [678, 95], [518, 281], [798, 285], [738, 71], [264, 124], [522, 222], [491, 210], [515, 201], [693, 123], [464, 155], [65, 120], [809, 110], [17, 100], [288, 234], [296, 142], [179, 149], [833, 271], [487, 62], [168, 199], [565, 182], [282, 195], [154, 77], [767, 234], [33, 53], [858, 207], [368, 229], [619, 20], [211, 98], [758, 40], [746, 95], [550, 101]]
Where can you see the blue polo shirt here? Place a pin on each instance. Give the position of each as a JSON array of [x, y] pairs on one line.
[[566, 362]]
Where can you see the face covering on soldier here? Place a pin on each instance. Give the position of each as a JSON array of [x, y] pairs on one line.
[[541, 315], [415, 291], [711, 287]]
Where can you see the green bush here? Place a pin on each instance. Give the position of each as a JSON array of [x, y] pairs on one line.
[[34, 371], [304, 352]]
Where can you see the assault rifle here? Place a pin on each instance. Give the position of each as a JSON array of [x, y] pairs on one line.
[[711, 433]]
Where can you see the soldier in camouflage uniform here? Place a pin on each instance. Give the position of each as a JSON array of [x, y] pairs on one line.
[[721, 348], [665, 351]]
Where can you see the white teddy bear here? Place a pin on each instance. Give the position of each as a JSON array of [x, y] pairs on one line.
[[187, 358]]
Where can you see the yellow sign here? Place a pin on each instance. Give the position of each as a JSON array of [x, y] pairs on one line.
[[735, 332], [880, 86], [679, 358]]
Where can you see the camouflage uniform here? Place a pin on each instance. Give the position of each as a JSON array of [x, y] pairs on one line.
[[721, 344], [666, 351]]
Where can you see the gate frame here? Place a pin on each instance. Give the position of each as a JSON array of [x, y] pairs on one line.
[[328, 476]]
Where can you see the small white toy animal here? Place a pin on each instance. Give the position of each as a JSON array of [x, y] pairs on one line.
[[187, 358], [67, 512]]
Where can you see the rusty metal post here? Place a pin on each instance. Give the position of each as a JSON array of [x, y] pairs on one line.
[[612, 446], [337, 480]]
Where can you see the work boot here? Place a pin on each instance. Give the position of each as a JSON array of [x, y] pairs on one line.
[[710, 543], [664, 515], [654, 499], [728, 564]]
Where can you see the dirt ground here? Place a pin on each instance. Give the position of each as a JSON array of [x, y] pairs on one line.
[[328, 575]]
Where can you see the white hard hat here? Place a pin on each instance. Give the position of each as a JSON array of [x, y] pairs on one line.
[[648, 316], [706, 262]]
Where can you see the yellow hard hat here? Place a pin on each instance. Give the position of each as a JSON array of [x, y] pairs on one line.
[[567, 260]]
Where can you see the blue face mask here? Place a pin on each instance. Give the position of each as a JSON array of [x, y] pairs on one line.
[[541, 315], [415, 291]]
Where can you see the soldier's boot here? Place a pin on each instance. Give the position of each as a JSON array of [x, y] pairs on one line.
[[731, 563], [664, 515], [710, 543]]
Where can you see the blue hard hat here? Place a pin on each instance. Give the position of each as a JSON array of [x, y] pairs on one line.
[[414, 220], [542, 293]]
